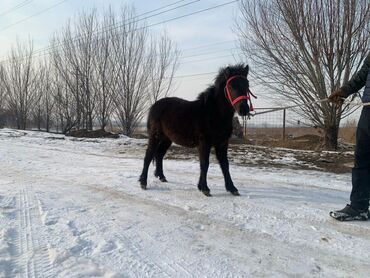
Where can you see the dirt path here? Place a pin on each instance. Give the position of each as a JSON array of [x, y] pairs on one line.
[[75, 209]]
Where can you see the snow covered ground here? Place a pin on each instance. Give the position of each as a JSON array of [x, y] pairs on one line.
[[73, 208]]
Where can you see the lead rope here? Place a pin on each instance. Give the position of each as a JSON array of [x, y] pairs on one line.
[[307, 104], [290, 107], [249, 94]]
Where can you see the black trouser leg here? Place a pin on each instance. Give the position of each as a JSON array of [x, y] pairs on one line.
[[361, 172]]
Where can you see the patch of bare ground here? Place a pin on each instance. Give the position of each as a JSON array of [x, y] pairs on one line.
[[278, 157], [302, 149], [99, 133]]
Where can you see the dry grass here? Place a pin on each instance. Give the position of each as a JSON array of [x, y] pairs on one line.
[[348, 132], [305, 138]]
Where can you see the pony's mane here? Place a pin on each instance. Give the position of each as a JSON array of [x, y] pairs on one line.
[[220, 81], [209, 93]]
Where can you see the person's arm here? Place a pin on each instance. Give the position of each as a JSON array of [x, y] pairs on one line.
[[352, 86], [358, 80]]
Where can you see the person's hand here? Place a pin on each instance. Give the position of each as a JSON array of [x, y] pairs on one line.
[[337, 97]]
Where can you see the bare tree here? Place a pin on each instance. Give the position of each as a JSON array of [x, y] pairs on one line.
[[3, 100], [164, 63], [65, 107], [305, 49], [95, 70], [73, 54], [2, 89], [105, 73], [44, 107], [132, 62], [85, 43], [143, 68], [17, 79], [67, 72]]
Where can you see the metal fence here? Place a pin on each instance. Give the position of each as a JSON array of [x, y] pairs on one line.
[[278, 124]]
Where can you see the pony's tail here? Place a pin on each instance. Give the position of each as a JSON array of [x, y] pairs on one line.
[[155, 153]]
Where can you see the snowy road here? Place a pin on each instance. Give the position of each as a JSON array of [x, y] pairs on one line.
[[73, 208]]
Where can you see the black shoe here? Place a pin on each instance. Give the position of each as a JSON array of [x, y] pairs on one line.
[[349, 214]]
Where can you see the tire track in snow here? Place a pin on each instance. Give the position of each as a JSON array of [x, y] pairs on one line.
[[139, 250], [262, 244], [267, 251], [133, 253], [130, 255], [34, 259], [8, 236], [166, 257]]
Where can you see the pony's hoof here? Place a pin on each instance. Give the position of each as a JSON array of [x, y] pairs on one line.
[[161, 177], [235, 193], [142, 184], [207, 193]]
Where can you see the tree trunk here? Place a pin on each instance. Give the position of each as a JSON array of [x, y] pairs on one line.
[[127, 130], [47, 123], [331, 137], [90, 122], [103, 123], [39, 120], [23, 121]]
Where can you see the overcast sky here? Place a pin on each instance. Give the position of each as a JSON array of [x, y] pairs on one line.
[[206, 39]]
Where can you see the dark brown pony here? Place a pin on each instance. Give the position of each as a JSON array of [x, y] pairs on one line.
[[203, 123]]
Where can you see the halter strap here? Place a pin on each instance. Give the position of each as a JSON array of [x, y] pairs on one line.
[[239, 98]]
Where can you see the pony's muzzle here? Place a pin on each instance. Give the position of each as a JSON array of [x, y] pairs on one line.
[[243, 109]]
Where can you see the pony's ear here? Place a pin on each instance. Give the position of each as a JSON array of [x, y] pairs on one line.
[[246, 70], [227, 72]]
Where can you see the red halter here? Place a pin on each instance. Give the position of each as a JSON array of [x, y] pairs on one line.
[[239, 98]]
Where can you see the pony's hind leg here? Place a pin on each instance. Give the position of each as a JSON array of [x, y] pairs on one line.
[[149, 154], [159, 155]]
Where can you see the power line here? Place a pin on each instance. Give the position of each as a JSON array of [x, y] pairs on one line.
[[207, 59], [48, 48], [123, 23], [161, 8], [190, 56], [208, 45], [16, 7], [148, 26], [33, 15], [178, 17], [193, 13], [195, 74], [212, 52], [214, 72]]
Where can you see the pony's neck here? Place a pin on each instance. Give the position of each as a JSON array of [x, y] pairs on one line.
[[226, 110]]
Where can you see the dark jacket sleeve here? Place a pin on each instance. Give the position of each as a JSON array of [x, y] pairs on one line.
[[358, 80]]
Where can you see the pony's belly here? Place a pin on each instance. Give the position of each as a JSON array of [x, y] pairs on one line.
[[181, 135], [185, 141], [181, 125]]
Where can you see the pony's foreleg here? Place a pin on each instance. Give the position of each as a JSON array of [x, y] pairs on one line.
[[204, 151], [221, 154], [149, 154], [159, 155]]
